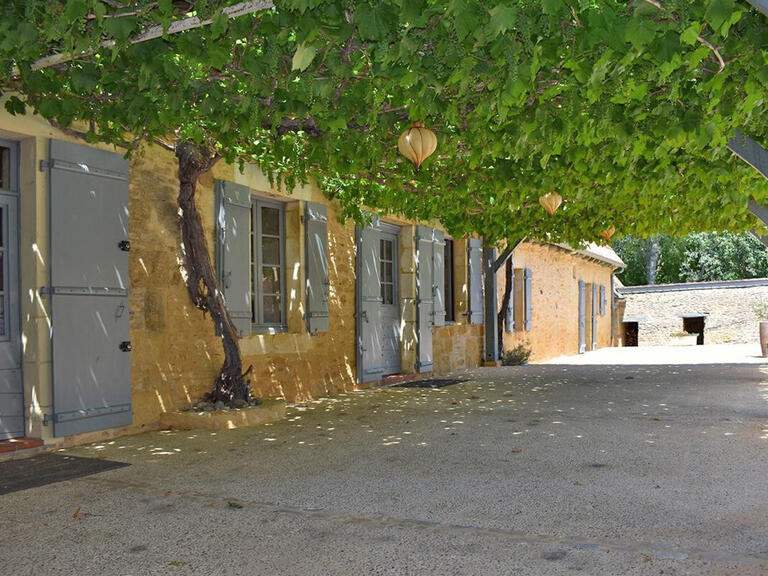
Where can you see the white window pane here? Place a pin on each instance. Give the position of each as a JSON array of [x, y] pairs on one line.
[[270, 279]]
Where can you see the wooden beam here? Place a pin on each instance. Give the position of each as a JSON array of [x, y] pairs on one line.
[[749, 151], [505, 255], [157, 31]]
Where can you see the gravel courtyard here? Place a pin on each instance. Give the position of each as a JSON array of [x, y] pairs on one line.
[[596, 469]]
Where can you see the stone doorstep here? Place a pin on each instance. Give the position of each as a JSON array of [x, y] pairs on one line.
[[20, 447], [400, 379], [269, 411]]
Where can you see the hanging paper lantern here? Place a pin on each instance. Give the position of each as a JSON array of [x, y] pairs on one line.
[[551, 201], [608, 233], [417, 143]]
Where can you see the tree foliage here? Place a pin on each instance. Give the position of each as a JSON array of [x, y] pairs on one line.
[[624, 108], [698, 257]]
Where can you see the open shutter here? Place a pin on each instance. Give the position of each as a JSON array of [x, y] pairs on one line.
[[509, 324], [528, 299], [475, 269], [602, 300], [438, 280], [425, 294], [594, 316], [582, 317], [316, 241], [233, 251], [91, 346]]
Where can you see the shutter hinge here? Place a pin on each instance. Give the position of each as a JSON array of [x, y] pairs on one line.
[[45, 165], [47, 419]]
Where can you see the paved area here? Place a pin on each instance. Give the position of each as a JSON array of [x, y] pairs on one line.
[[547, 469], [669, 355]]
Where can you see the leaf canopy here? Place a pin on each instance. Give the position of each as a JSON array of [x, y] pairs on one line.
[[623, 108]]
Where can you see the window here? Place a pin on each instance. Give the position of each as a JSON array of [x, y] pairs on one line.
[[387, 271], [5, 168], [268, 264], [450, 314]]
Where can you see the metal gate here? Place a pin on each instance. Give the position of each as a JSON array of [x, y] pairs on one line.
[[89, 289], [11, 385]]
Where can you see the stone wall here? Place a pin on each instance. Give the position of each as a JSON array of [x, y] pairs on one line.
[[731, 314], [555, 302], [176, 354]]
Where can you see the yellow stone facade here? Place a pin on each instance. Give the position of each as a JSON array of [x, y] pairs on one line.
[[556, 272], [176, 354]]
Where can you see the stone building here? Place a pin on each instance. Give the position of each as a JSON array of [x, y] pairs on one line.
[[99, 337], [560, 299], [691, 313]]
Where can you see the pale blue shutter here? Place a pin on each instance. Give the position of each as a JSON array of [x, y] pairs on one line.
[[509, 324], [425, 294], [316, 241], [438, 280], [594, 316], [582, 317], [475, 280], [233, 251], [602, 300], [528, 298]]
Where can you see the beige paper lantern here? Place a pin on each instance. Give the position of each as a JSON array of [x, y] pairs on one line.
[[417, 143], [551, 201], [608, 233]]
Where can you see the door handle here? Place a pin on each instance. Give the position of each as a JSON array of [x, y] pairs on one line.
[[126, 346], [124, 245]]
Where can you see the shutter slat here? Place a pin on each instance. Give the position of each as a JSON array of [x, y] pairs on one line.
[[602, 300], [233, 251], [528, 275], [475, 280], [317, 279], [594, 316]]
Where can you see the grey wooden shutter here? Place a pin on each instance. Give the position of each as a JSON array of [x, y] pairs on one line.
[[316, 241], [425, 294], [594, 316], [582, 317], [528, 298], [90, 314], [509, 324], [475, 280], [233, 251], [438, 279], [602, 300]]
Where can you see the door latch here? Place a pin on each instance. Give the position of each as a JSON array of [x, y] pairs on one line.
[[124, 245], [126, 346]]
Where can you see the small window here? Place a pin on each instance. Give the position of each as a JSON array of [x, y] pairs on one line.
[[5, 168], [268, 264], [450, 314], [387, 271]]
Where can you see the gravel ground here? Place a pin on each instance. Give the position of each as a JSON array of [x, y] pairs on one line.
[[543, 469]]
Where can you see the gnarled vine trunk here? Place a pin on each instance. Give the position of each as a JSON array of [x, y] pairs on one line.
[[502, 317], [201, 281]]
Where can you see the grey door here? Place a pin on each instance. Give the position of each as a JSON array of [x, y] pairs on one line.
[[378, 303], [11, 385], [582, 317], [89, 289]]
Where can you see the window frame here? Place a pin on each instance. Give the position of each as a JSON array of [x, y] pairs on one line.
[[258, 326], [6, 240]]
